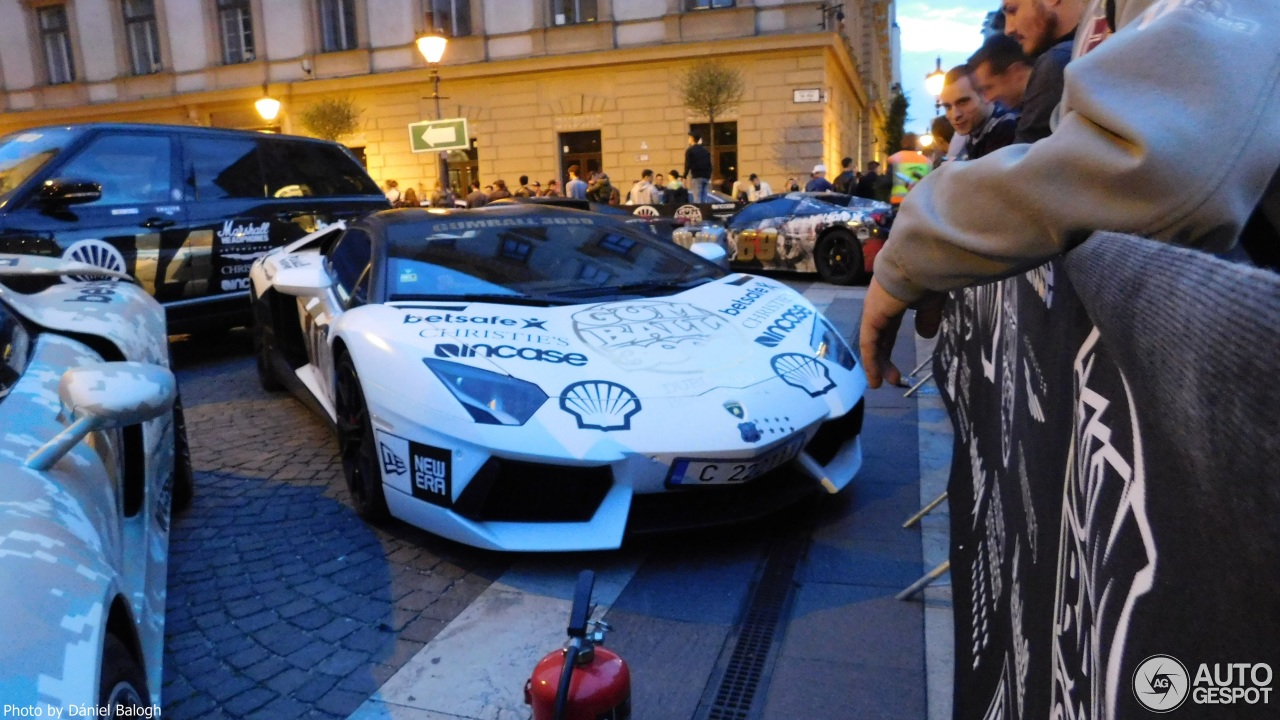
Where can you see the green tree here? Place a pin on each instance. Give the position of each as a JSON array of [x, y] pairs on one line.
[[895, 122], [331, 118], [711, 90]]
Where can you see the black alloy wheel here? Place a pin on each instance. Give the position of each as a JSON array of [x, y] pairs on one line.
[[263, 346], [357, 447], [122, 688], [838, 258]]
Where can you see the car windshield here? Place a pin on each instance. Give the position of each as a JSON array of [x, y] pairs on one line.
[[554, 255], [23, 154]]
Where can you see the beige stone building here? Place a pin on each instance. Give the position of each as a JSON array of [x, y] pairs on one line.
[[543, 83]]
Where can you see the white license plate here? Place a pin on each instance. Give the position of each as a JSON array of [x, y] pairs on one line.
[[697, 471]]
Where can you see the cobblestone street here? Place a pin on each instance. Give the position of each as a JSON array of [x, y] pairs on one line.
[[283, 603]]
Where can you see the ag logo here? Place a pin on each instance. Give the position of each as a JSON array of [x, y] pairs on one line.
[[1160, 683]]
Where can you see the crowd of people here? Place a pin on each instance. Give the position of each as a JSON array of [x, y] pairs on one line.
[[1080, 118]]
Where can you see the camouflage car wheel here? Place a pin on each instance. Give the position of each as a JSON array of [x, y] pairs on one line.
[[837, 256], [122, 689], [184, 484], [357, 447]]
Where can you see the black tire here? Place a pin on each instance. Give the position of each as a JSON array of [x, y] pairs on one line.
[[838, 258], [357, 447], [264, 346], [184, 483], [122, 682]]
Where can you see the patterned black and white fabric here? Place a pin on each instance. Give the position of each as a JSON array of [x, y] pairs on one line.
[[1115, 488]]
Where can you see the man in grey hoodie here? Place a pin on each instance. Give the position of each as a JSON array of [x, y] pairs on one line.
[[1138, 113]]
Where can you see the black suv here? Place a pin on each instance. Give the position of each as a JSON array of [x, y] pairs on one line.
[[184, 209]]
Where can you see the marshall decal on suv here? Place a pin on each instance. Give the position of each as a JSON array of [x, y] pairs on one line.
[[778, 330], [463, 350]]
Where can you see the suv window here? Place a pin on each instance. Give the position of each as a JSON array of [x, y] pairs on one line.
[[222, 168], [15, 346], [348, 260], [309, 169], [132, 169]]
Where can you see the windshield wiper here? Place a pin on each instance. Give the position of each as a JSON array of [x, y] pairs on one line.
[[635, 288], [501, 298]]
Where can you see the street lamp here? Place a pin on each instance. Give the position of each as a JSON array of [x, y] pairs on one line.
[[268, 107], [432, 48], [926, 141], [933, 83]]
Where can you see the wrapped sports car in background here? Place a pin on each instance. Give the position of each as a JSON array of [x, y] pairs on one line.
[[540, 378], [836, 236], [93, 458]]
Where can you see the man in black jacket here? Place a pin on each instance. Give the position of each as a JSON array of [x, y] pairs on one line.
[[989, 127], [697, 169], [866, 187]]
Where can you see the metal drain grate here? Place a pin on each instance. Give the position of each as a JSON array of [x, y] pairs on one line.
[[757, 637]]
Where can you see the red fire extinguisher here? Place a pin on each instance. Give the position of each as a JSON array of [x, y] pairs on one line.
[[581, 681]]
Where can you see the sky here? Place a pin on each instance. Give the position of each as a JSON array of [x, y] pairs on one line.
[[950, 29]]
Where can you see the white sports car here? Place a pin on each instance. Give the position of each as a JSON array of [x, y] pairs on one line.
[[537, 378]]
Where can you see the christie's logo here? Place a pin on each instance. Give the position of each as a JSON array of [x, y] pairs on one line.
[[492, 334], [450, 350], [232, 234], [1161, 683], [748, 298], [410, 319], [777, 331]]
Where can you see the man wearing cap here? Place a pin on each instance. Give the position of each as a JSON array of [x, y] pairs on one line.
[[758, 188], [818, 182]]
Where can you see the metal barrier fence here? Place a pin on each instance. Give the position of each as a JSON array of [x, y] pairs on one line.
[[1115, 486]]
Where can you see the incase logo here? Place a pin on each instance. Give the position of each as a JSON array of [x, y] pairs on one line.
[[410, 319], [450, 350], [788, 321]]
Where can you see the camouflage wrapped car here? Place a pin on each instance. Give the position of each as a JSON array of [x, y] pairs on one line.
[[94, 457]]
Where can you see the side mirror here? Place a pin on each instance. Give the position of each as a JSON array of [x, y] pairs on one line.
[[711, 252], [66, 191], [302, 275], [107, 395]]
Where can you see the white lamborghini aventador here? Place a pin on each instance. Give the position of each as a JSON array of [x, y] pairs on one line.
[[538, 378]]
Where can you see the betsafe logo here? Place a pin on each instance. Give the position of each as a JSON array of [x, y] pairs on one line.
[[1160, 683]]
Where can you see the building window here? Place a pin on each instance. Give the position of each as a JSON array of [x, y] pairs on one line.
[[55, 36], [571, 12], [337, 25], [236, 23], [452, 17], [707, 4], [142, 35]]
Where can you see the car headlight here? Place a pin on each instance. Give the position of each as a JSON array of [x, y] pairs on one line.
[[827, 343], [490, 397]]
